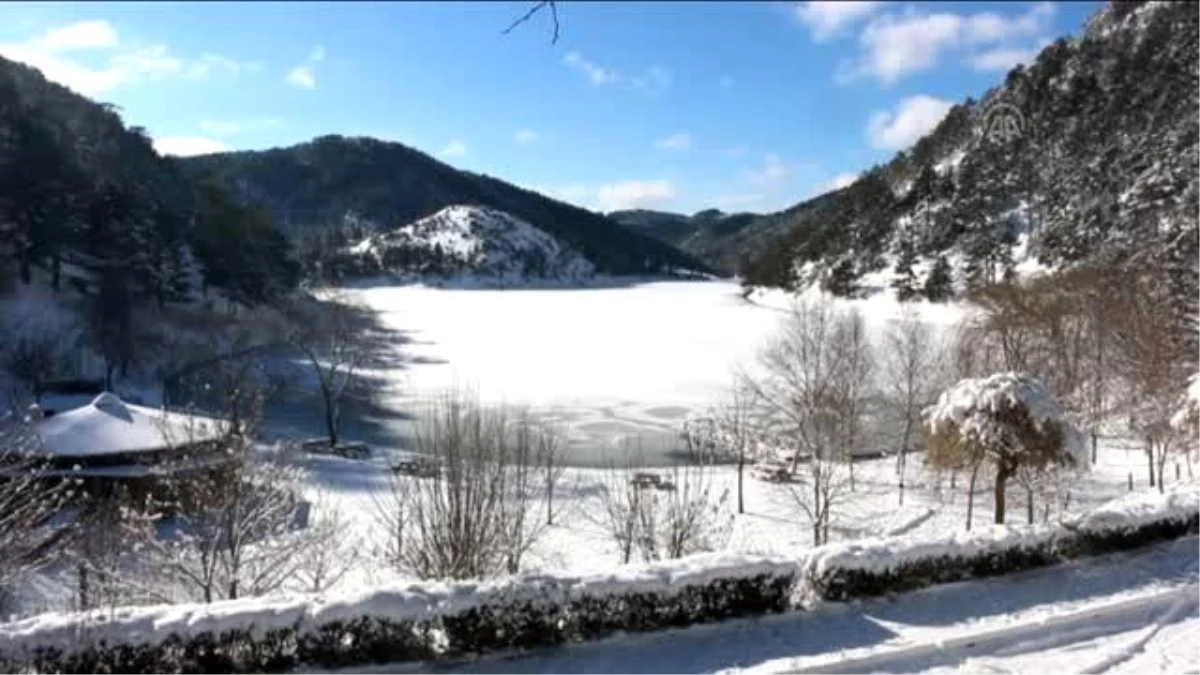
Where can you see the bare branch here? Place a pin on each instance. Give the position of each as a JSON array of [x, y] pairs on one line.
[[534, 10]]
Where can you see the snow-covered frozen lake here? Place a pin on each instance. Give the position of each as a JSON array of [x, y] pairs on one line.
[[611, 363]]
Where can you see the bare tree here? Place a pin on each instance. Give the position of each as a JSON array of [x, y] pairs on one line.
[[623, 503], [29, 497], [675, 513], [811, 396], [729, 433], [1154, 361], [330, 548], [330, 335], [910, 380], [550, 442], [480, 513], [235, 513]]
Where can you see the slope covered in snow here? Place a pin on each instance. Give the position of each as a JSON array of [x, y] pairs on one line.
[[477, 242]]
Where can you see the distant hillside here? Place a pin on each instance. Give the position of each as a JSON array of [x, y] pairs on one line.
[[333, 180], [469, 241], [1089, 153], [724, 241], [86, 200]]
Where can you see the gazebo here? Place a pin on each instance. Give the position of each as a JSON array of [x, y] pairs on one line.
[[109, 441]]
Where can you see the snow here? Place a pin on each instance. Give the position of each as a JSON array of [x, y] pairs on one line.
[[150, 625], [971, 404], [108, 425], [487, 242], [883, 554], [1137, 509]]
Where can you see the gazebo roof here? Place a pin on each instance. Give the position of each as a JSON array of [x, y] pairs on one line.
[[109, 426]]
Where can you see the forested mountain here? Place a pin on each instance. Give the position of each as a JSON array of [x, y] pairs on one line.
[[1088, 154], [84, 197], [335, 180], [719, 239]]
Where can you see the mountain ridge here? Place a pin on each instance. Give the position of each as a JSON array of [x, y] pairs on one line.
[[312, 185]]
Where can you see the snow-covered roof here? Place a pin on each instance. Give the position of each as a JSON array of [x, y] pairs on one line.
[[109, 426]]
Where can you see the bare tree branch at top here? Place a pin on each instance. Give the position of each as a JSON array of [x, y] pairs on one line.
[[534, 10]]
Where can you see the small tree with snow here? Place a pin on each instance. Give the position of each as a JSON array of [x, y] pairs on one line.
[[1009, 420], [27, 501]]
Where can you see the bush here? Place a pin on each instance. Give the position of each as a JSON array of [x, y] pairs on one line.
[[425, 621], [435, 620]]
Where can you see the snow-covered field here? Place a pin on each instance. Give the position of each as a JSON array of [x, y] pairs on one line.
[[611, 362]]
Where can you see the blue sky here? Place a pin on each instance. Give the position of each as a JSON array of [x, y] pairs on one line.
[[678, 106]]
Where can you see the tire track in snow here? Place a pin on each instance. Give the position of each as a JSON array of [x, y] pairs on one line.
[[1122, 654], [1068, 628]]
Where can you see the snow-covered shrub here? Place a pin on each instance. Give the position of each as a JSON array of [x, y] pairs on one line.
[[877, 566], [422, 621], [1008, 420], [1134, 520]]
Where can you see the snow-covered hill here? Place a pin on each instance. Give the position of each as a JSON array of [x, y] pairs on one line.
[[474, 242]]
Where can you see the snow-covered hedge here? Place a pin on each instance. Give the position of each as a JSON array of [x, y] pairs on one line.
[[436, 620], [420, 621], [872, 567]]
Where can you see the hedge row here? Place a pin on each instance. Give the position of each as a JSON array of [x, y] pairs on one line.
[[424, 621], [873, 567], [452, 620]]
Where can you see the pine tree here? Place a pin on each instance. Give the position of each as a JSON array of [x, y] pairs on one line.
[[842, 279], [939, 285], [905, 280]]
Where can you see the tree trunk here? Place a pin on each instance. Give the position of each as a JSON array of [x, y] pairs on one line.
[[1095, 442], [971, 496], [741, 471], [1029, 505], [1003, 471], [56, 272], [1150, 461]]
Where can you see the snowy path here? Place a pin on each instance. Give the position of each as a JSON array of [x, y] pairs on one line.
[[1132, 612]]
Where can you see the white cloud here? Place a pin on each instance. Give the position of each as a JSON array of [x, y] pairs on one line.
[[90, 58], [913, 117], [525, 136], [678, 141], [827, 19], [456, 148], [1003, 59], [772, 172], [596, 73], [737, 151], [636, 194], [895, 45], [615, 196], [726, 82], [187, 146], [303, 75], [81, 35]]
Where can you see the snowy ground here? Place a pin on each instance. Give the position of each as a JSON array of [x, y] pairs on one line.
[[609, 362], [1123, 613], [772, 523]]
